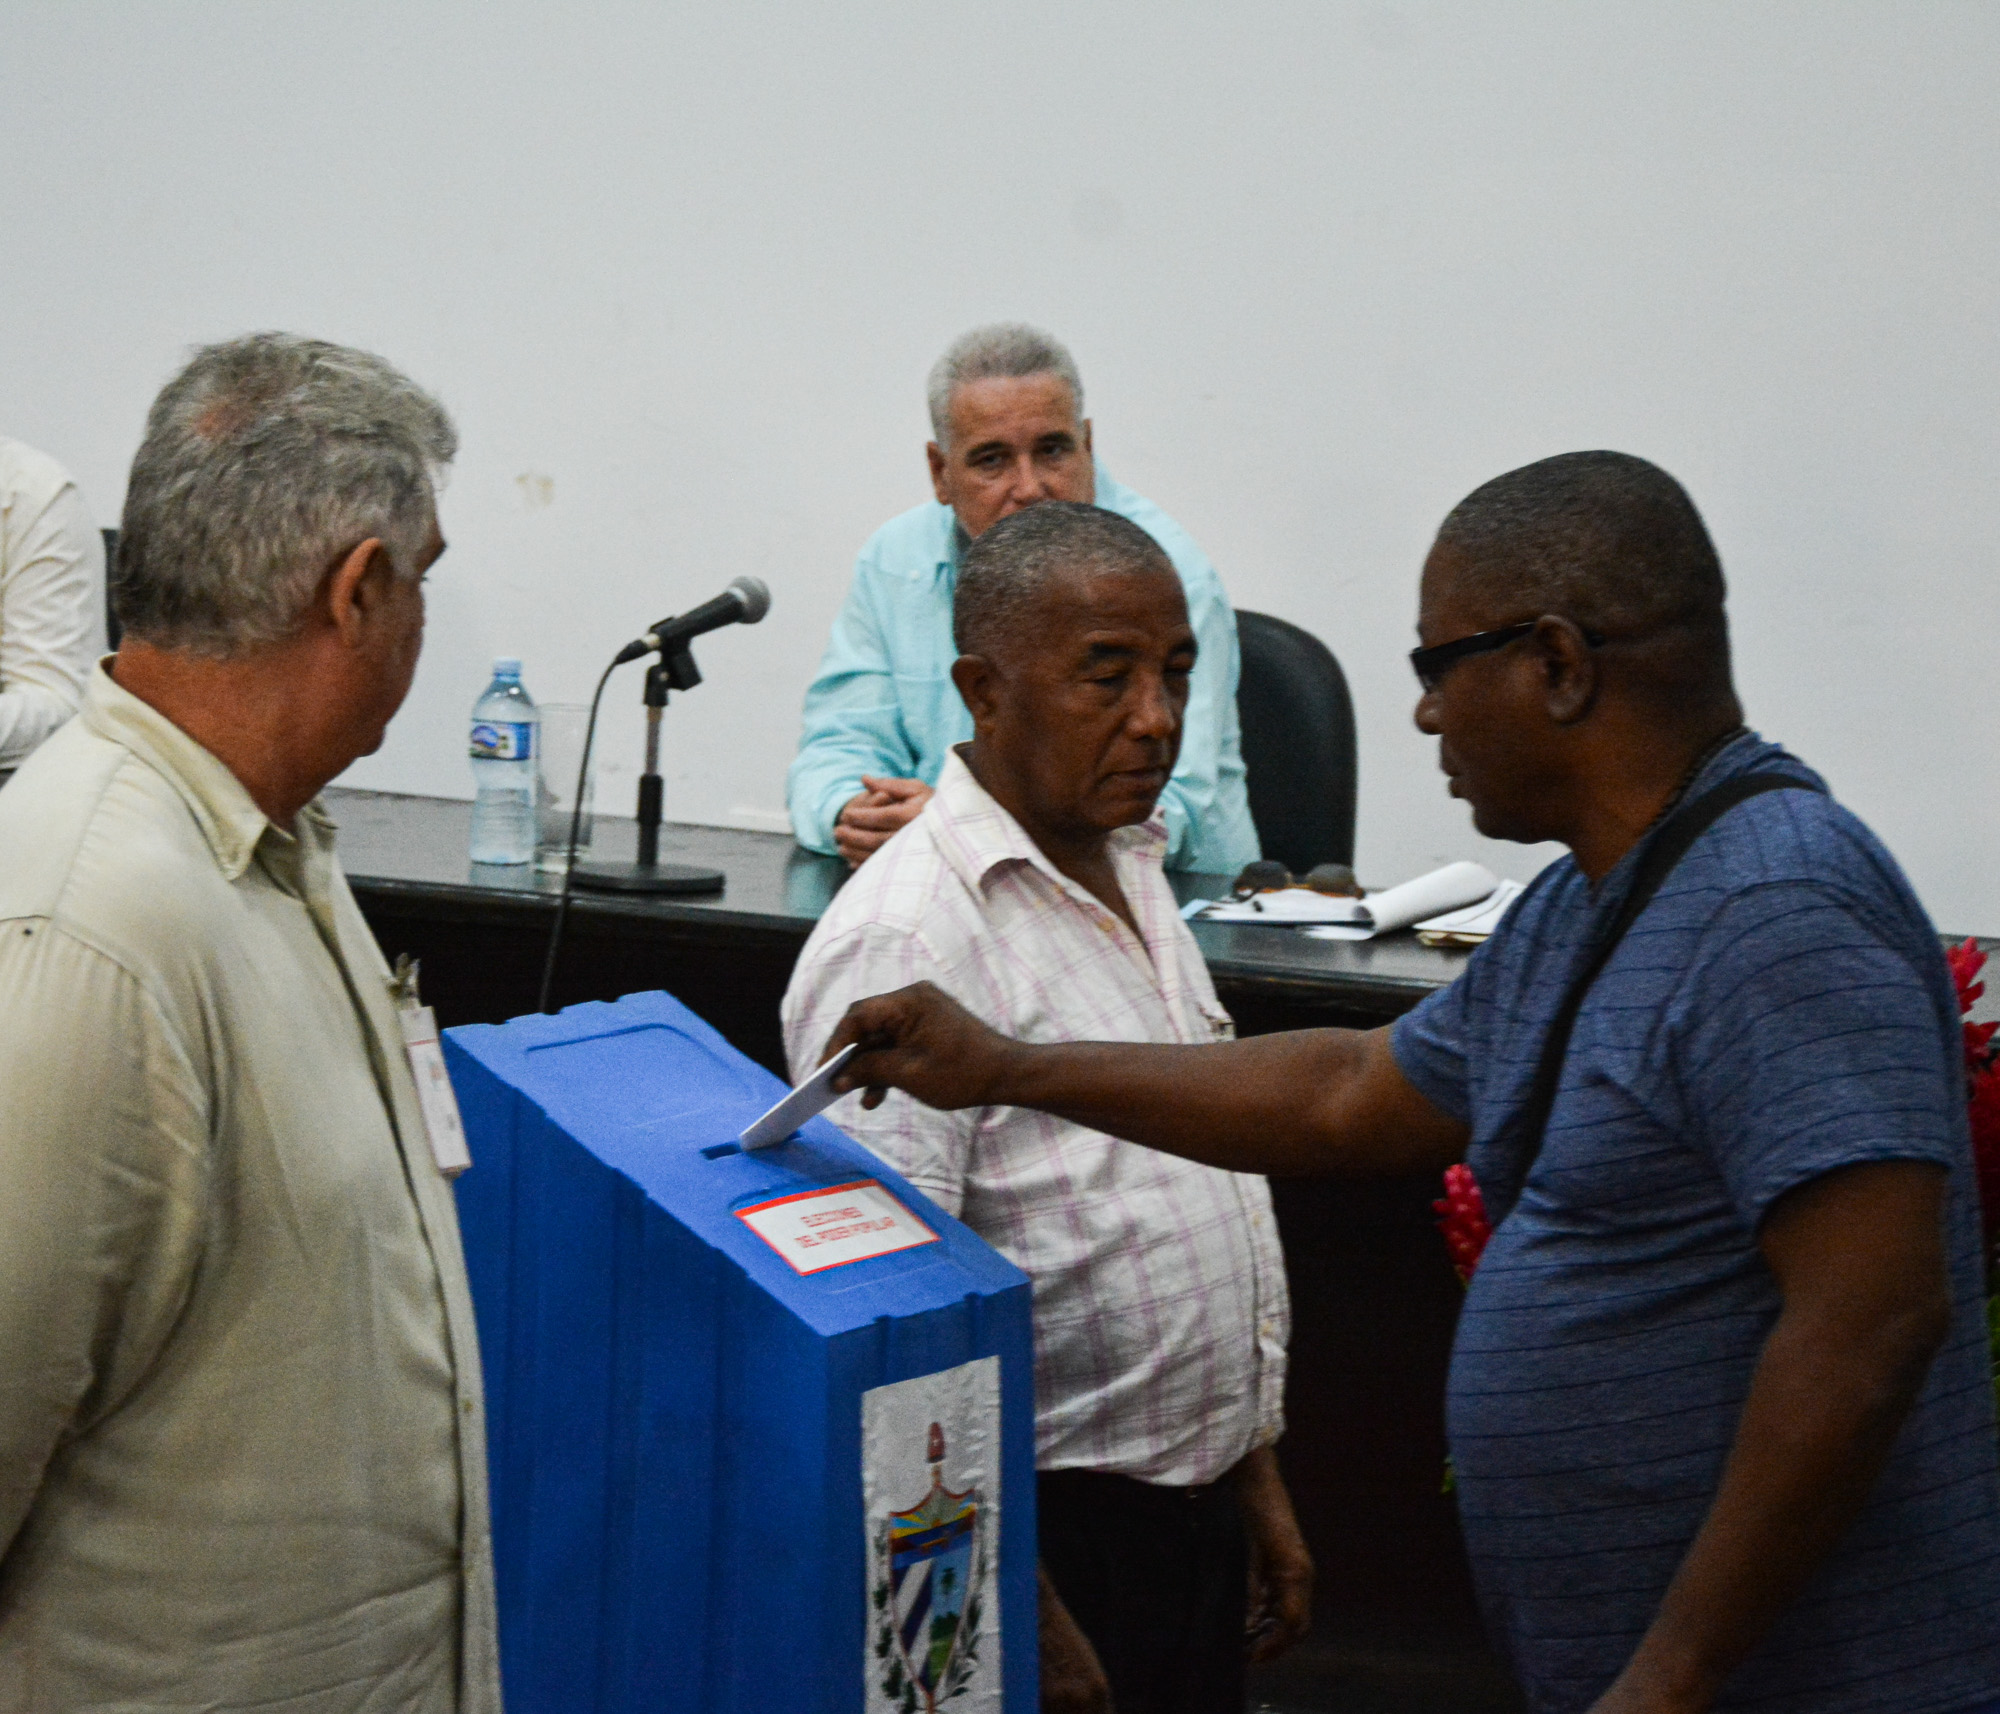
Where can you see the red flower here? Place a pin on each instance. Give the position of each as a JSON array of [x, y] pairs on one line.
[[1982, 1076], [1462, 1219], [1984, 1112], [1966, 961]]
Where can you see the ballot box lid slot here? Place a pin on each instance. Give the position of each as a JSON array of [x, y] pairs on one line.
[[652, 1072], [577, 1038]]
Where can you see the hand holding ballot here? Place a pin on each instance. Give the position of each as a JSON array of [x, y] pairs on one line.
[[929, 1046], [813, 1096]]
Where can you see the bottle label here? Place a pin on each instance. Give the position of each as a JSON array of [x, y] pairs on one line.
[[503, 740]]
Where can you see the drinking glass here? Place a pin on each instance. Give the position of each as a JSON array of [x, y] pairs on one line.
[[563, 725]]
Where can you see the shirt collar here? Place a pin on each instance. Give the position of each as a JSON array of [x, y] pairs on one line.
[[1748, 751], [225, 812], [976, 836], [956, 541]]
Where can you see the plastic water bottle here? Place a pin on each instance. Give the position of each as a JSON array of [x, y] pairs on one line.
[[505, 764]]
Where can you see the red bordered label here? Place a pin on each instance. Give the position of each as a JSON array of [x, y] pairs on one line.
[[819, 1229]]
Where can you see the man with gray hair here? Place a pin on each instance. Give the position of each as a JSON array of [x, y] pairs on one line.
[[1006, 407], [242, 1443]]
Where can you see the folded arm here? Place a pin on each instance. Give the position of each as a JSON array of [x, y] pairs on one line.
[[874, 815], [1303, 1101], [853, 725]]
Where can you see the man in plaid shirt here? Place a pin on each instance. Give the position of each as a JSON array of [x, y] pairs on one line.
[[1031, 889]]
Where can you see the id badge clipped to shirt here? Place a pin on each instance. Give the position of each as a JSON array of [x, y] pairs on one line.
[[436, 1099]]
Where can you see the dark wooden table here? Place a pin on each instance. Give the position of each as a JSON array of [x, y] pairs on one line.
[[406, 857], [1374, 1298]]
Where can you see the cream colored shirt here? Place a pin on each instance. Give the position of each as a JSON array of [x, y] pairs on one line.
[[242, 1454], [51, 599]]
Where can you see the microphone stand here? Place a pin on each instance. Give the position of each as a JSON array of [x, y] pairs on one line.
[[675, 670]]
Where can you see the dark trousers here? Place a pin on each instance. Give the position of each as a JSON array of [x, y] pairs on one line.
[[1157, 1579]]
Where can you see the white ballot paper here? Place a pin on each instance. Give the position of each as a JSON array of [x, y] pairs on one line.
[[1446, 889], [813, 1096]]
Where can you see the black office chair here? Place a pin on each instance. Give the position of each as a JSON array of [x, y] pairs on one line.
[[1298, 743], [110, 566]]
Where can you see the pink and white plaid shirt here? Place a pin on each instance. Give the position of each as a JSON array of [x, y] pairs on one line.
[[1161, 1314]]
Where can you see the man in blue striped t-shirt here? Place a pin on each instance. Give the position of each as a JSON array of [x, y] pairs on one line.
[[1719, 1402]]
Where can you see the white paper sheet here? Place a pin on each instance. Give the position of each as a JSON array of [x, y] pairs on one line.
[[1480, 919], [1448, 889], [1287, 908]]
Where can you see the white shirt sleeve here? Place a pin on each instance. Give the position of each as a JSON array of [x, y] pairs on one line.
[[51, 606], [929, 1148]]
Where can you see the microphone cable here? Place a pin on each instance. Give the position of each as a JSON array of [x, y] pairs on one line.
[[575, 832]]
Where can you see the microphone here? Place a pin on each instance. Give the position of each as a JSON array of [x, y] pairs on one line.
[[744, 602]]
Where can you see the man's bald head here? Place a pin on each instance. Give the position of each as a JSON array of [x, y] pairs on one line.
[[1598, 665], [1009, 575], [1603, 538]]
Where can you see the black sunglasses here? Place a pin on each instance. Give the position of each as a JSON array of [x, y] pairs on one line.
[[1430, 665]]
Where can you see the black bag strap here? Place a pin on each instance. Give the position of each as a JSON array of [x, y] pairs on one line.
[[1668, 845]]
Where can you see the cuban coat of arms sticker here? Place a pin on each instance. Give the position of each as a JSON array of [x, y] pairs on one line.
[[930, 1490]]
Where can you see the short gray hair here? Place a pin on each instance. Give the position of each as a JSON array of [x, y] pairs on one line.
[[265, 459], [1007, 350], [1008, 572]]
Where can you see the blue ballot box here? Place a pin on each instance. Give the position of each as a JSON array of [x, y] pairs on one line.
[[760, 1424]]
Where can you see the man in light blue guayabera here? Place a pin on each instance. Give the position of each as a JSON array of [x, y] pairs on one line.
[[1006, 405]]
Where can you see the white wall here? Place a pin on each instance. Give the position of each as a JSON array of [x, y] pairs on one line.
[[1326, 267]]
